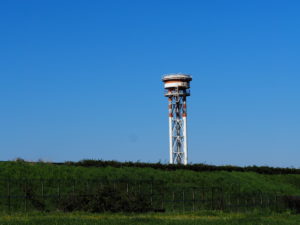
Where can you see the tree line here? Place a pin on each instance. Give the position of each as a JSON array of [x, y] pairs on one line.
[[193, 167]]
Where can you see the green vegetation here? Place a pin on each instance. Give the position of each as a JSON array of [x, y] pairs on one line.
[[247, 182], [192, 167], [109, 187], [203, 218]]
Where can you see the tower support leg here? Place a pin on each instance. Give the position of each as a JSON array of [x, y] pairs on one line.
[[171, 139]]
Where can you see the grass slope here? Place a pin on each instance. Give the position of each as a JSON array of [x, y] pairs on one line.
[[204, 218], [247, 181]]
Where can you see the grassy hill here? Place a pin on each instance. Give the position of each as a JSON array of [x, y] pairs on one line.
[[244, 179], [100, 186]]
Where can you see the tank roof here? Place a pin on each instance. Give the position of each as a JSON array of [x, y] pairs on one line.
[[177, 76]]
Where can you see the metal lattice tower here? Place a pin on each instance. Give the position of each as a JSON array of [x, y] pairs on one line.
[[177, 89]]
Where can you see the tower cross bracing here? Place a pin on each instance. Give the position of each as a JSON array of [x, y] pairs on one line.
[[177, 89]]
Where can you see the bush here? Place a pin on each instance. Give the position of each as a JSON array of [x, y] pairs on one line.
[[194, 167], [105, 199], [292, 202]]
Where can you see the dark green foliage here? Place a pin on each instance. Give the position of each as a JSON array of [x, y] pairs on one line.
[[35, 185], [194, 167], [103, 171], [105, 199], [30, 195], [293, 202]]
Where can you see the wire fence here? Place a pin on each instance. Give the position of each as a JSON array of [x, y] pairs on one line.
[[128, 195]]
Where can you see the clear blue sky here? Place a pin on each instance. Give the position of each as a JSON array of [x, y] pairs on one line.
[[82, 79]]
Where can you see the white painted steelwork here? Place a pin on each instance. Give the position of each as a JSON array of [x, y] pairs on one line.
[[176, 84], [177, 89]]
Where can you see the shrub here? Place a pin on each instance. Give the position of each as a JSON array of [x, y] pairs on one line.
[[105, 199], [293, 202]]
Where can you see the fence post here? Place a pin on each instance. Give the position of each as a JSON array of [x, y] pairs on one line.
[[151, 194], [74, 181], [73, 190], [193, 200], [42, 184], [162, 199], [228, 205], [25, 188], [58, 190], [212, 198], [238, 200], [276, 203], [87, 187], [8, 195], [139, 187], [42, 191], [222, 199], [173, 201], [183, 206], [203, 200]]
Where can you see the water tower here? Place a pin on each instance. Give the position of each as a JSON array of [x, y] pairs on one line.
[[177, 89]]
